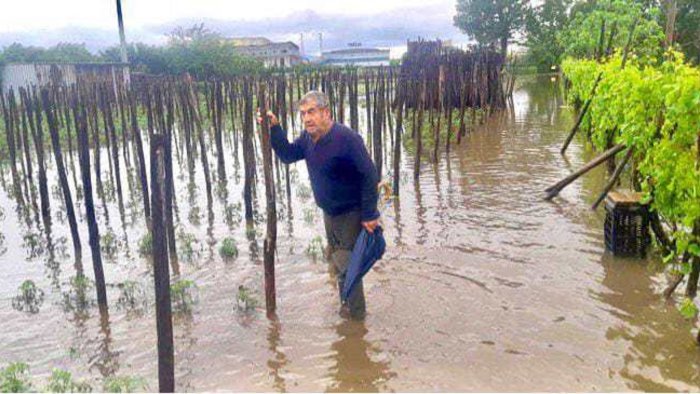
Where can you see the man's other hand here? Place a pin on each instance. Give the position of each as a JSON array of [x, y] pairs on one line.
[[370, 225], [271, 117]]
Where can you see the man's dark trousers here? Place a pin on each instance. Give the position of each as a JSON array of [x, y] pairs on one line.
[[342, 232]]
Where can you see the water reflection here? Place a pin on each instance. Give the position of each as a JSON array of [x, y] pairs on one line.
[[277, 363], [354, 369], [658, 356], [104, 358]]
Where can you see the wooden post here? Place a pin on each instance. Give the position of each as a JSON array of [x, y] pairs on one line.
[[51, 115], [613, 179], [397, 140], [556, 188], [161, 272], [93, 230], [418, 130], [39, 145], [248, 150], [136, 133], [581, 114], [270, 244]]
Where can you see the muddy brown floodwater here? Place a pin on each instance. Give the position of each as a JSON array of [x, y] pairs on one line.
[[484, 286]]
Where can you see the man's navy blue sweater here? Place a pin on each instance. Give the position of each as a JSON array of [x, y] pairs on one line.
[[342, 175]]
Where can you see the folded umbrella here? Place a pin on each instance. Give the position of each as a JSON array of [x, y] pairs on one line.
[[367, 250]]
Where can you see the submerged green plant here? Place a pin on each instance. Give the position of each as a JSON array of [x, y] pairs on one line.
[[29, 298], [132, 296], [15, 378], [309, 216], [187, 245], [688, 308], [293, 175], [232, 214], [124, 384], [34, 244], [303, 192], [251, 233], [109, 244], [62, 382], [195, 216], [315, 248], [183, 294], [77, 299], [146, 244], [228, 248], [3, 248], [245, 300]]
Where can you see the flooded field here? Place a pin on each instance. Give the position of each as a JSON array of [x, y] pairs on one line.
[[484, 286]]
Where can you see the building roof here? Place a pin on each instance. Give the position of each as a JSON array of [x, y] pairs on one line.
[[248, 41], [350, 51], [270, 45]]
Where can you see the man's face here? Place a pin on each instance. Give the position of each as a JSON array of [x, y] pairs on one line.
[[316, 120]]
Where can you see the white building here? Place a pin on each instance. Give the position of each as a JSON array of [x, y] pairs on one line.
[[272, 54], [366, 57]]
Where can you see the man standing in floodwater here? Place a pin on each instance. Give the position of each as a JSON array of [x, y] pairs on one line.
[[343, 178]]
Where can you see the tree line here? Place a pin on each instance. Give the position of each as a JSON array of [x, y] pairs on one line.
[[551, 30], [195, 50]]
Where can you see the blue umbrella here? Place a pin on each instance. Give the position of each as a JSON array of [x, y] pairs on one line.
[[367, 250]]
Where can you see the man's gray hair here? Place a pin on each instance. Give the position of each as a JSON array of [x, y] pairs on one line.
[[318, 97]]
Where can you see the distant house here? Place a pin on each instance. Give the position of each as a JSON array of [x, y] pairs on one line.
[[366, 57], [16, 75], [272, 54]]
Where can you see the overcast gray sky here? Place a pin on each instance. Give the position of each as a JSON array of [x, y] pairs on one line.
[[24, 15], [374, 22]]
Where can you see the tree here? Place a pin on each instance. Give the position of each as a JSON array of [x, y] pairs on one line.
[[202, 53], [18, 53], [581, 38], [142, 57], [59, 53], [688, 29], [491, 22], [183, 36], [195, 50], [543, 23]]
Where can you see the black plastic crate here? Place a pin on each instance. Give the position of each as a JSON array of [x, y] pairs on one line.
[[626, 224]]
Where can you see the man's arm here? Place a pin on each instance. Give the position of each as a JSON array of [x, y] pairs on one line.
[[364, 165], [287, 152]]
